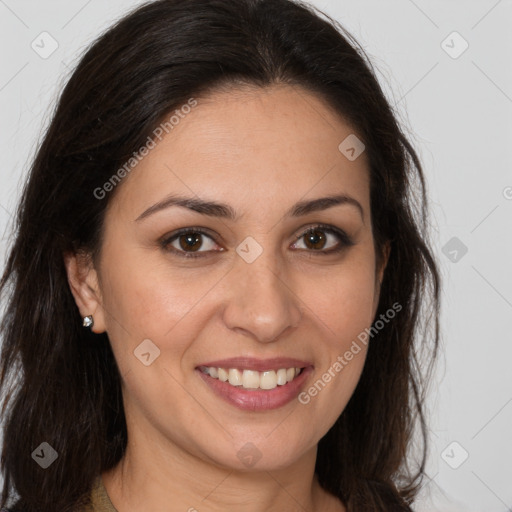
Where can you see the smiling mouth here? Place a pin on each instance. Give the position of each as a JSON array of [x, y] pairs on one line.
[[252, 379]]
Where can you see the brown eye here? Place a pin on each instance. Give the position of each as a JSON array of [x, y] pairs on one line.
[[188, 242], [315, 239], [322, 239]]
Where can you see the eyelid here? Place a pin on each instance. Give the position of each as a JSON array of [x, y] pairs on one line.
[[328, 228], [166, 240]]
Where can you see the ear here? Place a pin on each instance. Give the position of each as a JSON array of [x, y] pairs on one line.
[[379, 274], [84, 284], [386, 249]]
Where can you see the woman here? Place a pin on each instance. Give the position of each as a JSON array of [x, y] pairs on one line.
[[216, 286]]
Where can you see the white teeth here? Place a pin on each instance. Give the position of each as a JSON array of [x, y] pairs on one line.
[[281, 377], [252, 379], [222, 374], [235, 377], [268, 380]]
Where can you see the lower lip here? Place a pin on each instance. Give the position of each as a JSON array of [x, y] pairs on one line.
[[258, 399]]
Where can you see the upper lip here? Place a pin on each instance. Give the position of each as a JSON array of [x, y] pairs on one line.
[[251, 363]]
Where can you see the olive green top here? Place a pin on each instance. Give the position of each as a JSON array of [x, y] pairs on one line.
[[100, 502]]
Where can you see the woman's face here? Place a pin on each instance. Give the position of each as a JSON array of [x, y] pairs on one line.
[[258, 290]]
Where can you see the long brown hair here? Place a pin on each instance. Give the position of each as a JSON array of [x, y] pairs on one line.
[[61, 384]]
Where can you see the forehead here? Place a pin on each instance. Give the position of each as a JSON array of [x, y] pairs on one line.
[[250, 147]]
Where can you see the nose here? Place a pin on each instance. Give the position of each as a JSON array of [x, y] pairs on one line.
[[262, 304]]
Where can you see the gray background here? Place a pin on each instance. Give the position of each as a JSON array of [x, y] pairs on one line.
[[457, 105]]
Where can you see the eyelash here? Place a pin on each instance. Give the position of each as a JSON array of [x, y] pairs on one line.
[[345, 240]]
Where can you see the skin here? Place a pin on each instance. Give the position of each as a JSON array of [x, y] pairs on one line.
[[260, 151]]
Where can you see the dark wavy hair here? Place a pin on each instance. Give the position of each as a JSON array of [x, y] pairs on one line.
[[60, 383]]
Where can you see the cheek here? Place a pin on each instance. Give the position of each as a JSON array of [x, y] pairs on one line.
[[343, 297], [150, 298], [344, 305], [346, 312]]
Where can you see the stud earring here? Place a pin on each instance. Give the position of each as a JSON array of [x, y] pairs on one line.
[[88, 321]]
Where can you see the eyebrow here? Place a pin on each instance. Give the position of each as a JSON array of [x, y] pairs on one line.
[[224, 211]]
